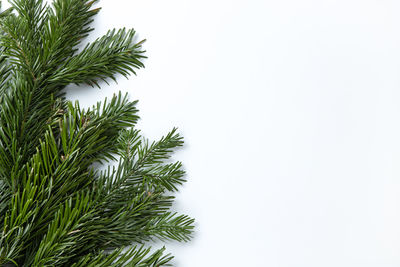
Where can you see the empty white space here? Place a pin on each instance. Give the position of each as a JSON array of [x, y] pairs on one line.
[[291, 114]]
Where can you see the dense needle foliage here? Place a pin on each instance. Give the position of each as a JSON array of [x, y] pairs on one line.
[[56, 207]]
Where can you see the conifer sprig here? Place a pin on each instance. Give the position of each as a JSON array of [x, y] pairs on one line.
[[56, 207]]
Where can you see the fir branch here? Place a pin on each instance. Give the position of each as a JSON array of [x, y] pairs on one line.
[[171, 226], [59, 244], [134, 257], [114, 53], [156, 152], [68, 23], [23, 34], [168, 176], [56, 208]]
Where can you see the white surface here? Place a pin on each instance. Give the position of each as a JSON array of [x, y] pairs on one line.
[[291, 114]]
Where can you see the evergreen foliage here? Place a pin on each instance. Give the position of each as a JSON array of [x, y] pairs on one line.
[[56, 207]]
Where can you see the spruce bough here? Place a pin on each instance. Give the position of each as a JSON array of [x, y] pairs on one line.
[[56, 207]]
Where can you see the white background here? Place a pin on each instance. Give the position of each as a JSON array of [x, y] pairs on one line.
[[291, 114]]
